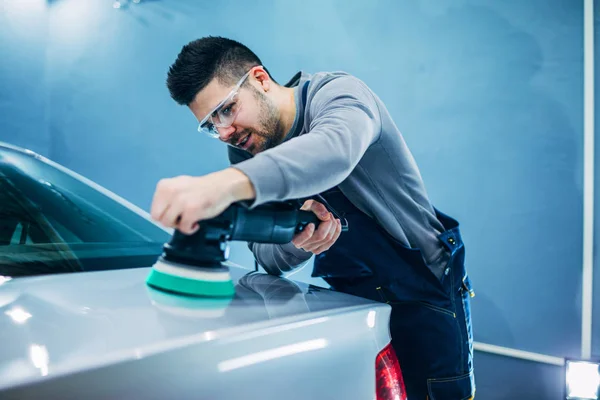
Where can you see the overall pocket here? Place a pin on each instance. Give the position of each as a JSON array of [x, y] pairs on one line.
[[454, 388], [396, 293], [425, 284]]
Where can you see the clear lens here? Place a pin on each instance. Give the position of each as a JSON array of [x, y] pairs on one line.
[[224, 114], [222, 117], [209, 129]]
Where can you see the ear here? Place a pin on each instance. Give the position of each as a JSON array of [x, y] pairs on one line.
[[262, 78]]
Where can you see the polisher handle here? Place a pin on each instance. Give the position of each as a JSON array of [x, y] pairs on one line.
[[305, 218]]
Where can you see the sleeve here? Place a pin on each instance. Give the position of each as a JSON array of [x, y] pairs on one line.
[[345, 121], [276, 259]]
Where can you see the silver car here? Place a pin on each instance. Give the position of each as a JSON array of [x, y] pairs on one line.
[[77, 319]]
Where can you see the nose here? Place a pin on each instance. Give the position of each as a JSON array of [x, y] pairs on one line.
[[226, 133]]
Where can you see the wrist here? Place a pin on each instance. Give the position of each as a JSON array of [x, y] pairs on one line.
[[241, 186]]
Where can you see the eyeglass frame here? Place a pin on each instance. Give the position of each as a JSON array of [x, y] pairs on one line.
[[232, 93]]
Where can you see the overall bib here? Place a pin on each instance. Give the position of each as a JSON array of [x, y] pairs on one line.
[[430, 322]]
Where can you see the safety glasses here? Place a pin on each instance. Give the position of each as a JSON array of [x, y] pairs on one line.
[[223, 115]]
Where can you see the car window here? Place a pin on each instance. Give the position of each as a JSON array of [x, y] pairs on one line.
[[20, 236], [52, 222]]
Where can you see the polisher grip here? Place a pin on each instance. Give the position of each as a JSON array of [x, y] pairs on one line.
[[305, 218]]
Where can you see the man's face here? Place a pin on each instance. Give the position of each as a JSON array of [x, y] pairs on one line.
[[256, 126]]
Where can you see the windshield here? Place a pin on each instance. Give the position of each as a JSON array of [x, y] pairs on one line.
[[52, 222]]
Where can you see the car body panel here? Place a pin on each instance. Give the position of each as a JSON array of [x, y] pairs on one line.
[[110, 323]]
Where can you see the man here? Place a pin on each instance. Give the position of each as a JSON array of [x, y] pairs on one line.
[[327, 139]]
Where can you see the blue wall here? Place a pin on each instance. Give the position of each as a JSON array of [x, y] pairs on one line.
[[489, 96]]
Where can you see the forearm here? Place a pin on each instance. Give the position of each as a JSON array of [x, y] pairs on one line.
[[241, 187], [278, 259]]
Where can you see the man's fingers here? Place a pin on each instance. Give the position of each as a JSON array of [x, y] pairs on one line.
[[332, 225], [188, 228], [319, 236], [159, 206], [331, 239], [301, 238], [188, 224], [160, 202], [172, 214], [312, 239], [324, 229], [335, 232], [307, 204], [317, 208], [320, 211], [164, 192]]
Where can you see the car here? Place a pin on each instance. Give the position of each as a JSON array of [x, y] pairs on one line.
[[79, 321]]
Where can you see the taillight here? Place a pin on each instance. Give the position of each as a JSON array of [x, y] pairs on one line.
[[390, 385]]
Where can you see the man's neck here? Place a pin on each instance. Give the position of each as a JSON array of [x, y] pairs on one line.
[[287, 109]]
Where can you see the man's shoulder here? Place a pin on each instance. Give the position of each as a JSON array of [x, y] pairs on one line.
[[318, 80], [324, 81], [336, 81], [325, 87]]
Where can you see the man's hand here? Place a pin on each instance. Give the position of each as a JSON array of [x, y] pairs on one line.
[[183, 201], [325, 236]]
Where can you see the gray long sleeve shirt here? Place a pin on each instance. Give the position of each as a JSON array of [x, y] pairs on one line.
[[343, 136]]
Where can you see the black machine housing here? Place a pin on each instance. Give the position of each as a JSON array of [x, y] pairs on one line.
[[268, 223]]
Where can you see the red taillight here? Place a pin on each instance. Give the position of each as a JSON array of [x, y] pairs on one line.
[[390, 385]]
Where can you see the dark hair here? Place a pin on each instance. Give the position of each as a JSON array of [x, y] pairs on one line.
[[204, 59]]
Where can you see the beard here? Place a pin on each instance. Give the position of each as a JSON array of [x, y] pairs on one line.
[[270, 133]]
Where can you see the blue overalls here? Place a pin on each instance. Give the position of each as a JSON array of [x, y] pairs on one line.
[[430, 322]]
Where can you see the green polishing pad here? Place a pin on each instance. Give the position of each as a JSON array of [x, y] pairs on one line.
[[188, 306], [193, 281]]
